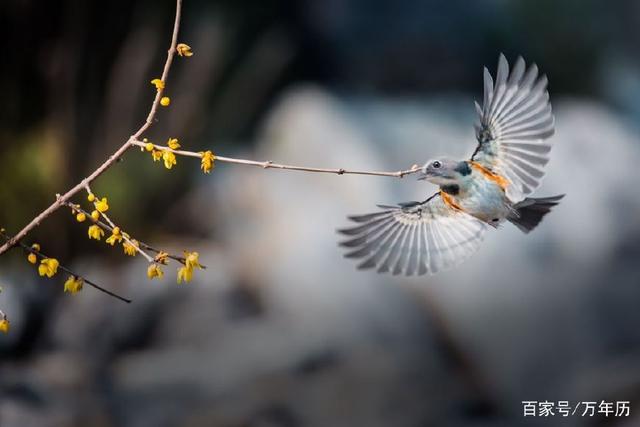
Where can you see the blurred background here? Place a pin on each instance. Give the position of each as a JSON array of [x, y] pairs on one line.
[[280, 330]]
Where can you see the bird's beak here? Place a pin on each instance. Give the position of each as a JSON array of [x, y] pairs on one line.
[[423, 174]]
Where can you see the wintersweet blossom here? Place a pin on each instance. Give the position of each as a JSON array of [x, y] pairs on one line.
[[32, 258], [191, 261], [162, 258], [48, 267], [185, 274], [4, 326], [169, 159], [73, 284], [184, 50], [154, 271], [158, 83], [157, 155], [173, 143], [165, 101], [207, 162], [95, 232], [114, 238], [102, 205], [130, 247]]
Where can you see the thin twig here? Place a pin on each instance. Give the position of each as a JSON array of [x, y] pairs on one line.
[[124, 235], [65, 269], [110, 228], [271, 165], [115, 156]]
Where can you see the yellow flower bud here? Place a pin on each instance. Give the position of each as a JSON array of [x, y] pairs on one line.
[[149, 146], [35, 247], [32, 258], [91, 197], [165, 101], [116, 231], [81, 217], [95, 215]]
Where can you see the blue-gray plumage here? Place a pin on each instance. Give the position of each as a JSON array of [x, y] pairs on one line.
[[514, 123]]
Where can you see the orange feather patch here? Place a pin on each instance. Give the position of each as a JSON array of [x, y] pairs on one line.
[[449, 201], [501, 181]]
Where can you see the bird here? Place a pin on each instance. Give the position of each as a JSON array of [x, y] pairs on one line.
[[513, 128]]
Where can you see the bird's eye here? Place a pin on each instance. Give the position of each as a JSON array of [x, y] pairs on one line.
[[436, 164]]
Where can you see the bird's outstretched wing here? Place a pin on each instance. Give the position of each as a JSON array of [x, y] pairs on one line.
[[514, 122], [414, 238]]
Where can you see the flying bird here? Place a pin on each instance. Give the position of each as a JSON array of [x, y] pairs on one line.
[[513, 128]]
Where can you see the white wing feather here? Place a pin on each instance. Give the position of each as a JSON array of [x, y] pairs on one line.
[[515, 121]]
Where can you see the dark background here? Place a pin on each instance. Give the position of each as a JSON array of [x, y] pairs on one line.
[[280, 330]]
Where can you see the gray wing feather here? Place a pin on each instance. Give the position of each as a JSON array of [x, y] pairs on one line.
[[413, 239], [514, 123]]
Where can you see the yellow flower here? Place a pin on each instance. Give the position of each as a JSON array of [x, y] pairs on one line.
[[191, 260], [184, 50], [91, 197], [81, 217], [48, 267], [165, 101], [169, 159], [161, 258], [4, 326], [95, 215], [173, 143], [114, 238], [35, 247], [130, 248], [159, 84], [207, 162], [95, 232], [154, 271], [157, 155], [185, 273], [149, 146], [73, 284], [32, 258], [102, 205]]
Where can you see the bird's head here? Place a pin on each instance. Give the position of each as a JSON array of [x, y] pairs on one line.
[[444, 171]]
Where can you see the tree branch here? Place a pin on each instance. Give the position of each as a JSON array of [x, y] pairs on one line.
[[60, 200], [65, 269], [271, 165]]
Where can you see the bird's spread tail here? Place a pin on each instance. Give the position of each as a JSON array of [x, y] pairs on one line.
[[529, 212]]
